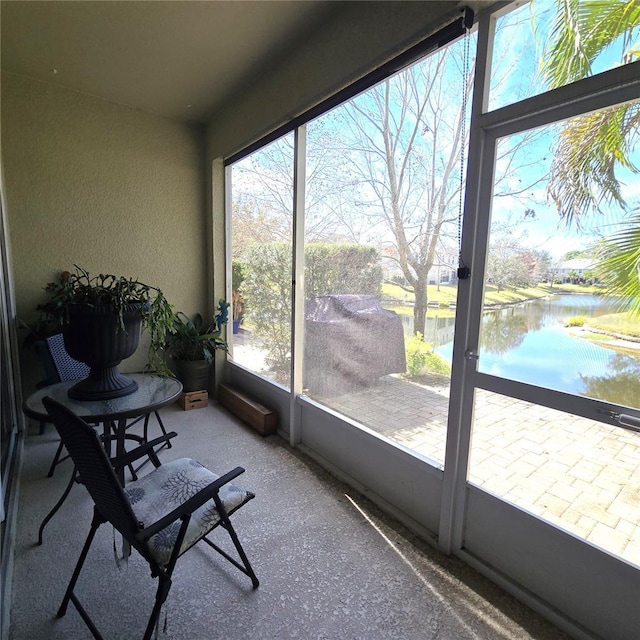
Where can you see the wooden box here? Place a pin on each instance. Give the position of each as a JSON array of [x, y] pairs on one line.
[[263, 420], [193, 400]]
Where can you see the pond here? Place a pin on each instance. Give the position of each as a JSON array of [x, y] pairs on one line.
[[529, 343]]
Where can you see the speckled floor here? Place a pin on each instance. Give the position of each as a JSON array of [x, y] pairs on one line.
[[331, 565]]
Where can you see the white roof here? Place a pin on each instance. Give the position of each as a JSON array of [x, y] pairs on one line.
[[578, 264]]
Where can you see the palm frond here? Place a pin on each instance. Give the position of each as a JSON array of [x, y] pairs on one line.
[[581, 30], [619, 265], [590, 150]]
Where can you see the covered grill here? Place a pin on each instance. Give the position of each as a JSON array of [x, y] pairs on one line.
[[350, 340]]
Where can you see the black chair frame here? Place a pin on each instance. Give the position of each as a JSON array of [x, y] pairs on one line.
[[111, 505], [149, 449]]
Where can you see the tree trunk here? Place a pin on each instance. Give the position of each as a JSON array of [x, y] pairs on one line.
[[420, 308]]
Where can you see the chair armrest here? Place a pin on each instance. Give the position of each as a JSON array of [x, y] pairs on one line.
[[148, 448], [188, 507]]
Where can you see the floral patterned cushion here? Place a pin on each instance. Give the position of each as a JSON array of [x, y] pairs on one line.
[[165, 488]]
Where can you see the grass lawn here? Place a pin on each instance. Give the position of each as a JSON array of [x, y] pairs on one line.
[[401, 300], [619, 323], [597, 337]]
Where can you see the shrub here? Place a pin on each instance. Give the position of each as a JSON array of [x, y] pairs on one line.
[[342, 268], [421, 358], [576, 321]]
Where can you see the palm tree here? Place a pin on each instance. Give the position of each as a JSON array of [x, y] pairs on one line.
[[593, 146]]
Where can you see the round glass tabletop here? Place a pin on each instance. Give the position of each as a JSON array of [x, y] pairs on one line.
[[153, 392]]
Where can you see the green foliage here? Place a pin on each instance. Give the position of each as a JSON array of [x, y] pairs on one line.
[[421, 358], [193, 339], [576, 321], [342, 268], [619, 264], [581, 31], [330, 269], [267, 288], [237, 278], [119, 293], [592, 147], [576, 253], [589, 153], [237, 274], [512, 265]]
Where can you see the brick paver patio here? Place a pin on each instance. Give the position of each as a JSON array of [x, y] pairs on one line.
[[579, 474]]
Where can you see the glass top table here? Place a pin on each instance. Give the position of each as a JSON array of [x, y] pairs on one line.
[[153, 393]]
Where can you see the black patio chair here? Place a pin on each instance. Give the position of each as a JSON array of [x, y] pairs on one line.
[[61, 367], [160, 515]]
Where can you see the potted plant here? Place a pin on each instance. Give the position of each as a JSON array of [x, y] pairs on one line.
[[192, 345], [101, 318]]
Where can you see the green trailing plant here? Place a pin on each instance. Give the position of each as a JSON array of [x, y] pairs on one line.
[[119, 293], [194, 339]]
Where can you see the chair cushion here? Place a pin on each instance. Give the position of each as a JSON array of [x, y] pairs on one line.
[[167, 487]]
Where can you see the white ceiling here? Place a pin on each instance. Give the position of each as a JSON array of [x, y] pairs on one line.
[[178, 59]]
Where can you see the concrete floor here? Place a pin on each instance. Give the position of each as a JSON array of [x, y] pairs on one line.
[[331, 565]]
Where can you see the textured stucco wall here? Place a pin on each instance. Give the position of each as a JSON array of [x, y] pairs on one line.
[[103, 186]]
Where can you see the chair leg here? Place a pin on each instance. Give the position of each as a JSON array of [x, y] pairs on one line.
[[58, 504], [245, 560], [145, 432], [164, 584], [69, 595], [56, 459], [245, 566], [145, 438], [160, 423]]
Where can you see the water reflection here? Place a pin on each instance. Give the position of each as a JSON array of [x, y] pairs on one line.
[[503, 331], [621, 386], [530, 343], [438, 330]]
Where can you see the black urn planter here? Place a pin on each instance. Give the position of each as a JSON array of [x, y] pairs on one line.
[[93, 335]]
